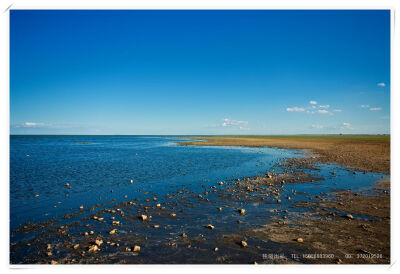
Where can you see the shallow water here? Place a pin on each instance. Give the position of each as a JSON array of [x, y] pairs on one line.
[[99, 170]]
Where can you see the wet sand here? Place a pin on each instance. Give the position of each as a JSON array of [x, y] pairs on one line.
[[250, 220]]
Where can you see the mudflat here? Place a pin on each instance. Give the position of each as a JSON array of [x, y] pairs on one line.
[[367, 153]]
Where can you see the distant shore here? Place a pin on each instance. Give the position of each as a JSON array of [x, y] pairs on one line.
[[371, 154]]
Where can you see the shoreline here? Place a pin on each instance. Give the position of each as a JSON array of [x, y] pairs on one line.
[[369, 154]]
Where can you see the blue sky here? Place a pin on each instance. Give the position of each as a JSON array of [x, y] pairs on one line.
[[199, 72]]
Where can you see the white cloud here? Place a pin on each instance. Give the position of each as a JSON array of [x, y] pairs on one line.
[[337, 110], [381, 84], [365, 106], [295, 109], [313, 102], [346, 126], [228, 122], [324, 106], [313, 106], [317, 126], [32, 124], [375, 109], [323, 111]]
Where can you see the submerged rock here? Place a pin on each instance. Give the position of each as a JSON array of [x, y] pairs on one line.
[[243, 243], [112, 232], [210, 226], [242, 211], [299, 240]]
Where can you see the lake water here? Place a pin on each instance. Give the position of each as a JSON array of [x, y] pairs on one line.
[[99, 169]]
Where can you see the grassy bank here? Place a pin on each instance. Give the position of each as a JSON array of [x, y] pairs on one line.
[[366, 153]]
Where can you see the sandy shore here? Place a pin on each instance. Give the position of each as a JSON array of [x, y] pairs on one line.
[[370, 154]]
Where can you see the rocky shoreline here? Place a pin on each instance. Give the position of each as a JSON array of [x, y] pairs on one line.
[[218, 225]]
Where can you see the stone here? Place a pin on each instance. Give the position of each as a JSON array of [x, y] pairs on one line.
[[131, 181], [91, 232], [81, 207], [210, 226], [99, 242], [299, 240], [216, 249], [156, 226], [242, 211], [76, 246], [243, 243], [349, 216], [143, 217], [53, 262], [36, 195], [279, 201], [136, 248], [93, 248], [112, 232]]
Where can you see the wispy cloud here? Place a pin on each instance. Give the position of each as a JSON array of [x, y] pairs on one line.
[[375, 109], [381, 85], [323, 111], [33, 124], [228, 123], [365, 106], [317, 126], [337, 110], [313, 102], [295, 109], [324, 106], [346, 126]]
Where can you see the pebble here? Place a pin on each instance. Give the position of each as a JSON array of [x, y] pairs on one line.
[[173, 214], [76, 246], [220, 209], [210, 226], [81, 207], [136, 248], [216, 249], [99, 242], [91, 232], [86, 234], [242, 211], [279, 201], [156, 226], [112, 232], [131, 181], [299, 240], [143, 217], [243, 243], [349, 216], [36, 195], [93, 248]]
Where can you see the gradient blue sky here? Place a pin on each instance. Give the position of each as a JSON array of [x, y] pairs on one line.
[[199, 72]]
